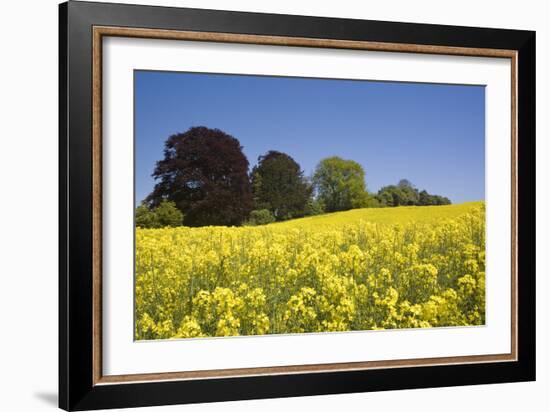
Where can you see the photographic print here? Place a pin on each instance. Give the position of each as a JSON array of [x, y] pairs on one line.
[[338, 204], [280, 205]]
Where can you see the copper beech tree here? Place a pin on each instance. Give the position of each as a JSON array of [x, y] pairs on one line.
[[205, 173]]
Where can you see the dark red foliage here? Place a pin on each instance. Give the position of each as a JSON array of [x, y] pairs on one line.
[[205, 172]]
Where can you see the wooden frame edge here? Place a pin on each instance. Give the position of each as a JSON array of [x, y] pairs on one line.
[[97, 198], [98, 32], [297, 369], [297, 41], [514, 204]]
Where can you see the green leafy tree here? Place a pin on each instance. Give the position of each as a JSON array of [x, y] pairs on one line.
[[405, 194], [394, 195], [409, 194], [425, 199], [441, 200], [390, 196], [340, 184], [279, 186], [385, 197]]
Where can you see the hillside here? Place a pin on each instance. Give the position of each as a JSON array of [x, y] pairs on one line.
[[342, 271], [402, 214]]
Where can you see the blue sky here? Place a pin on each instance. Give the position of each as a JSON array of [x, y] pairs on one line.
[[430, 134]]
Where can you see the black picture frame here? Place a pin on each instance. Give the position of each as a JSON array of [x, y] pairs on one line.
[[77, 390]]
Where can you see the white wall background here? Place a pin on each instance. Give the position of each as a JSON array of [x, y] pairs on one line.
[[28, 203]]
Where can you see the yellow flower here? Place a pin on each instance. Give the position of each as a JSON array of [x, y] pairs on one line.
[[321, 274]]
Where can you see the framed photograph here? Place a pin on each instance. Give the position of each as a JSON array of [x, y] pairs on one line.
[[256, 206]]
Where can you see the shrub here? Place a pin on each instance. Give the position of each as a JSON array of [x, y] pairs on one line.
[[315, 207], [145, 217], [260, 217], [168, 214], [165, 215]]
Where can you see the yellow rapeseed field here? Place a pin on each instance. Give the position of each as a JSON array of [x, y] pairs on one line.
[[364, 269]]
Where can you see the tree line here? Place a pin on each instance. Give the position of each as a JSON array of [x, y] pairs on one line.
[[204, 180]]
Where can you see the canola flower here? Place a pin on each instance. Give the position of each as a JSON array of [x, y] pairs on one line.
[[328, 273]]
